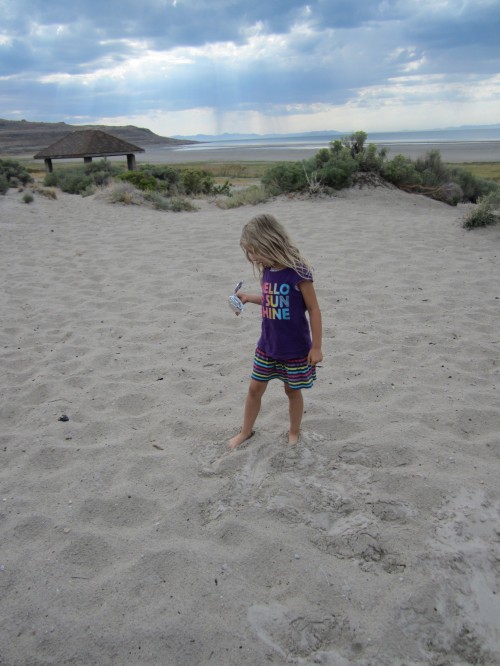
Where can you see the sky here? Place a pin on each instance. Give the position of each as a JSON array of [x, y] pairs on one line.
[[183, 67]]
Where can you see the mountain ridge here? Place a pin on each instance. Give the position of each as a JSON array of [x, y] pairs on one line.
[[226, 136], [23, 136]]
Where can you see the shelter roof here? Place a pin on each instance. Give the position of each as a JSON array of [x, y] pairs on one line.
[[88, 143]]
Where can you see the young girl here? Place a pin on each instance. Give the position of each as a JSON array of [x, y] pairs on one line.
[[285, 349]]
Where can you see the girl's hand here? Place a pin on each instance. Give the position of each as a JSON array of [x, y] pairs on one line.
[[242, 296], [249, 298], [315, 356]]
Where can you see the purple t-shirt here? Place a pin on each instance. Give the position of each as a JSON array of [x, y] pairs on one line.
[[285, 329]]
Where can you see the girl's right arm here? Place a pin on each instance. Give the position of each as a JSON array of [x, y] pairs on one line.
[[249, 298]]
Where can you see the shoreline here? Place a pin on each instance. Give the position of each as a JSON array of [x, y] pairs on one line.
[[452, 152]]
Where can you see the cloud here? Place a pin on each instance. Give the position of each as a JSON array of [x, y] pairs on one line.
[[91, 60]]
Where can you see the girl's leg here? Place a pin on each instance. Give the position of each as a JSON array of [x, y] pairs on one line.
[[296, 409], [252, 408]]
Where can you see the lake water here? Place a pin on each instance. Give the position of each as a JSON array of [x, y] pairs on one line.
[[475, 145]]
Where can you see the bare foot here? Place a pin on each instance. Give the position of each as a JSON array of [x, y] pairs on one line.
[[238, 439], [293, 438]]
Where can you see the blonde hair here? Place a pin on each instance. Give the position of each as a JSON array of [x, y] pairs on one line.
[[266, 237]]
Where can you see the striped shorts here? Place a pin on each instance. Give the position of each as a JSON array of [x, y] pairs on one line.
[[297, 373]]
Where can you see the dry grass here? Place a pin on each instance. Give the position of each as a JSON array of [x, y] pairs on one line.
[[487, 170]]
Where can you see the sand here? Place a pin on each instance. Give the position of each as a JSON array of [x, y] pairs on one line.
[[131, 536]]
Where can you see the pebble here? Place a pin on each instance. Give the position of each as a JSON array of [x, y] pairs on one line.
[[297, 556]]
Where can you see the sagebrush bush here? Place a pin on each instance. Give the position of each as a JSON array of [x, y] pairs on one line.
[[472, 186], [249, 196], [161, 172], [285, 177], [178, 204], [4, 184], [197, 181], [14, 173], [401, 171], [140, 180], [82, 180], [72, 181], [175, 204], [486, 211], [48, 192], [337, 174], [121, 192], [28, 198], [432, 169]]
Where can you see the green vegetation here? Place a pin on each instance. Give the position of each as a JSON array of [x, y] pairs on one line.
[[125, 193], [486, 212], [485, 170], [28, 198], [47, 192], [331, 168], [175, 204], [12, 174], [82, 179], [343, 163], [250, 196], [349, 160], [143, 181]]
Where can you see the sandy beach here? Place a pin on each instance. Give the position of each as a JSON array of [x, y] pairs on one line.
[[131, 536]]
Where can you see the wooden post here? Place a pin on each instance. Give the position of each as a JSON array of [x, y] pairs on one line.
[[48, 165], [131, 162]]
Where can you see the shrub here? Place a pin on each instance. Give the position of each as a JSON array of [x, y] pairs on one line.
[[224, 189], [4, 184], [337, 174], [122, 193], [72, 181], [432, 169], [401, 171], [332, 167], [473, 187], [162, 172], [27, 198], [102, 166], [197, 182], [450, 193], [51, 179], [178, 204], [249, 196], [140, 180], [371, 159], [285, 177], [486, 211], [355, 143], [82, 180], [14, 172], [48, 192]]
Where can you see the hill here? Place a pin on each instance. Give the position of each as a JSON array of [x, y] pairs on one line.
[[23, 137]]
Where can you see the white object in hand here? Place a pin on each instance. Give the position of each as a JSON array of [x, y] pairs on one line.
[[234, 302]]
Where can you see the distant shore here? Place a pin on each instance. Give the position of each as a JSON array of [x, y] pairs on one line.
[[454, 152]]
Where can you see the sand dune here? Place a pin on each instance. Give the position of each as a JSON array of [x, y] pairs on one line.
[[130, 535]]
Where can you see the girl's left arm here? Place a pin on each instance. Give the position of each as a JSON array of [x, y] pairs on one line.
[[307, 289]]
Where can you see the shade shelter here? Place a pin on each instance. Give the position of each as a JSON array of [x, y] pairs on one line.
[[88, 144]]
